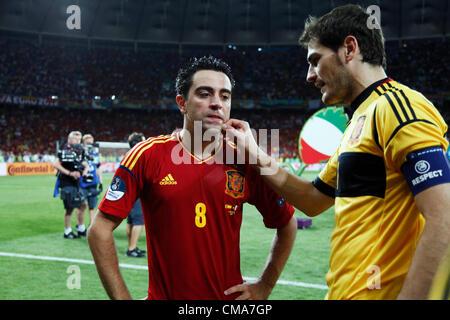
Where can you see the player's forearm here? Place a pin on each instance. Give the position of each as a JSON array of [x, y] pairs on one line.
[[101, 243], [281, 248], [297, 191], [430, 250]]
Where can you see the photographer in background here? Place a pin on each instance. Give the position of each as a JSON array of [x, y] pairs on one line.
[[135, 220], [71, 166], [89, 183]]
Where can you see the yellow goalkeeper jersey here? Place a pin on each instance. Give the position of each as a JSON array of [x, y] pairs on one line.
[[377, 224]]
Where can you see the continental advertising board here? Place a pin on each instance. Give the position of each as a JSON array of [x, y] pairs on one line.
[[28, 169], [41, 168]]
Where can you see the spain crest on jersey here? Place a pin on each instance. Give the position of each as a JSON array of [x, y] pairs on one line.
[[356, 133], [235, 184]]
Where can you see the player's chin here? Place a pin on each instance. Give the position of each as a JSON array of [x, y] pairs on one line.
[[329, 98], [212, 129]]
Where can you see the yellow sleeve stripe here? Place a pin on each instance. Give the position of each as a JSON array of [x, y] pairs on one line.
[[131, 152], [133, 157], [139, 153], [146, 148]]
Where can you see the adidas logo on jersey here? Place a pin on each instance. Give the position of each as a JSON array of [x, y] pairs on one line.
[[168, 180]]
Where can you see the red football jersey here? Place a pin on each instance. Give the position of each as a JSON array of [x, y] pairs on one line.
[[193, 213]]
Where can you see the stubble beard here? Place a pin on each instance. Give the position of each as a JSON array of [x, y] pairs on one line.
[[341, 87]]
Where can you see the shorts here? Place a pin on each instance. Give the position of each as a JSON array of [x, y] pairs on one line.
[[91, 195], [135, 216], [72, 197]]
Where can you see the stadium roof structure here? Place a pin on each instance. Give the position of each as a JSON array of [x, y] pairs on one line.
[[211, 22]]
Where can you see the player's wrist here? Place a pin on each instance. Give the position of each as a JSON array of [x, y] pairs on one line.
[[263, 159], [267, 287]]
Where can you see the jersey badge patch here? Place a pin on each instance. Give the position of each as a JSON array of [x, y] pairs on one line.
[[357, 130], [235, 184], [426, 168], [116, 190]]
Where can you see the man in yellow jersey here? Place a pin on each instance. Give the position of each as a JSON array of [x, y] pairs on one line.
[[389, 179]]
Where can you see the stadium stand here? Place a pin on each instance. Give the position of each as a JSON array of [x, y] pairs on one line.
[[35, 130], [125, 57], [76, 73], [28, 70]]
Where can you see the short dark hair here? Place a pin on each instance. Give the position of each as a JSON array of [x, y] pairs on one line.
[[135, 138], [184, 77], [331, 29]]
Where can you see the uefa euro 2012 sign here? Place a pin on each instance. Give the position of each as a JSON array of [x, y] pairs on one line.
[[321, 135]]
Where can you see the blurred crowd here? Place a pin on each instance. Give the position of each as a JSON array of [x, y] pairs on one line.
[[421, 64], [272, 73], [76, 73], [80, 74], [34, 132]]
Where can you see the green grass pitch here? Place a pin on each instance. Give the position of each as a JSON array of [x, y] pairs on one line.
[[32, 223]]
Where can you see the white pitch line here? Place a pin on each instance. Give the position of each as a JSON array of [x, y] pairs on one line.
[[137, 267], [294, 283]]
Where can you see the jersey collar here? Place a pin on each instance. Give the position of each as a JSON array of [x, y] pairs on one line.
[[197, 159], [366, 93]]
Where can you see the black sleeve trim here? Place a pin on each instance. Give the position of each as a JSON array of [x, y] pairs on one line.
[[375, 129], [324, 188], [128, 170], [405, 124]]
